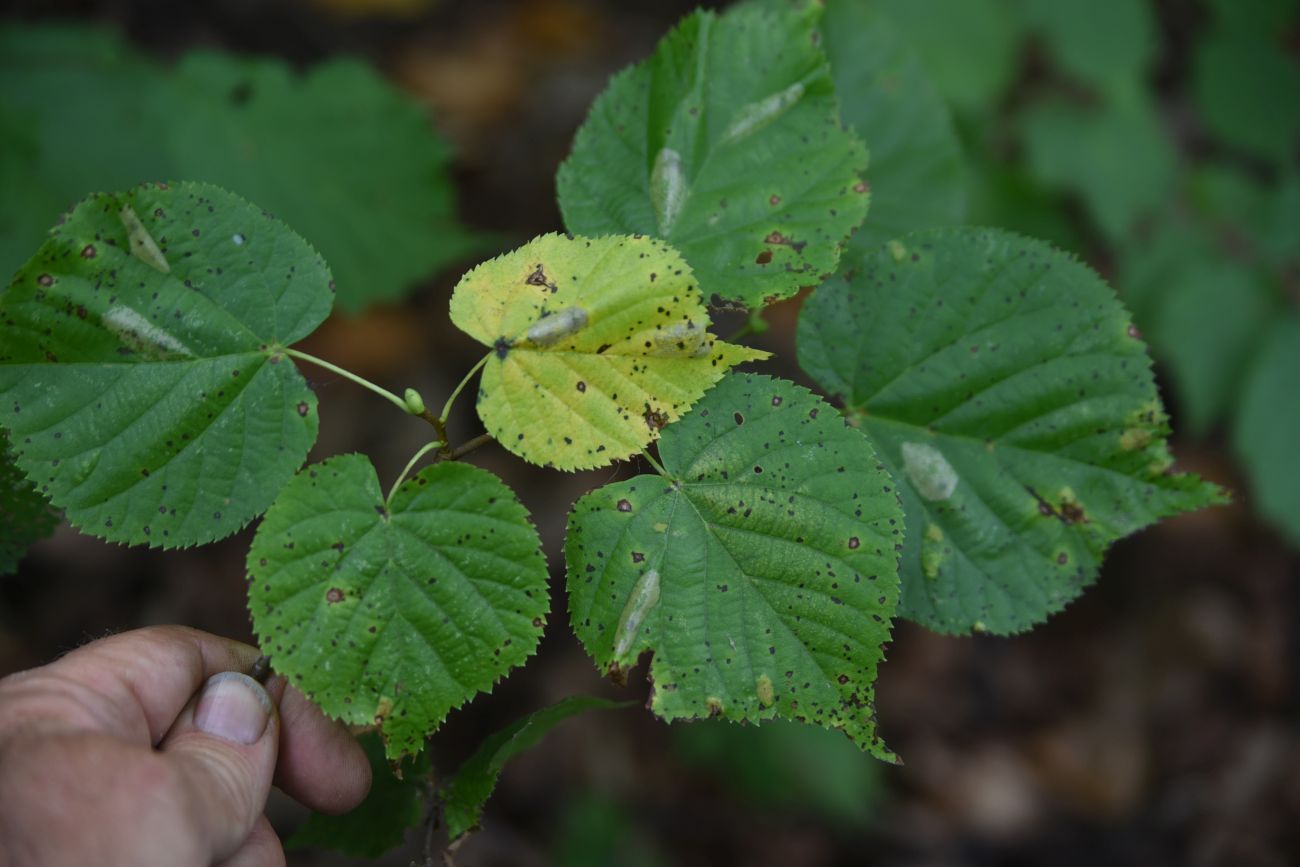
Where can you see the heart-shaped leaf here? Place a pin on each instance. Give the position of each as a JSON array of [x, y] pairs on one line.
[[1007, 391], [728, 144], [762, 574], [142, 376], [597, 344], [395, 612]]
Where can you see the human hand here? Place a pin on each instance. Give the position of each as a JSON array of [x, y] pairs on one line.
[[150, 748]]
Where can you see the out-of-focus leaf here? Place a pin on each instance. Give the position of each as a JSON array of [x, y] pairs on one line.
[[465, 795], [1100, 42], [76, 117], [25, 516], [338, 153], [916, 173], [1247, 88], [1267, 427], [787, 766], [1115, 157], [1264, 18], [969, 47], [1206, 328], [393, 806]]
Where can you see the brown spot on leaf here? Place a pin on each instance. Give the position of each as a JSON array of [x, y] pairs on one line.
[[335, 595]]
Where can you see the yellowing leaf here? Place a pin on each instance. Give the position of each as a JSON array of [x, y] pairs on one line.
[[596, 345]]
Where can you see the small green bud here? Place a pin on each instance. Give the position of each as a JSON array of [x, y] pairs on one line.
[[414, 403]]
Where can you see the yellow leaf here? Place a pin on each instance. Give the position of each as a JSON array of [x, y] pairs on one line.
[[597, 343]]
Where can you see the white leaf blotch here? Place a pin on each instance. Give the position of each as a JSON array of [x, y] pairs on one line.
[[929, 471], [140, 334], [645, 595], [667, 188], [557, 326], [759, 114], [142, 244]]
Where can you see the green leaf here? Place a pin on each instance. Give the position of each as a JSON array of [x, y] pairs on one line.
[[64, 89], [395, 612], [337, 152], [968, 47], [1268, 427], [25, 516], [1004, 387], [1247, 88], [597, 344], [788, 767], [727, 143], [1103, 43], [1115, 157], [917, 177], [465, 795], [762, 574], [394, 805], [142, 376], [1263, 17], [1206, 329]]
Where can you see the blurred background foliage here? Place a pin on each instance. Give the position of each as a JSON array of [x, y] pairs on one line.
[[1154, 722]]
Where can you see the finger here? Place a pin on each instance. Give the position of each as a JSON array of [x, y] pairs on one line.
[[321, 765], [223, 747], [261, 849], [130, 685]]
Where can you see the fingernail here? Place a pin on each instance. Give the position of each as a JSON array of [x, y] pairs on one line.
[[233, 707]]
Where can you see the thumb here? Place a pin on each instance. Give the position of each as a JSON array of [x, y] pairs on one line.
[[223, 746]]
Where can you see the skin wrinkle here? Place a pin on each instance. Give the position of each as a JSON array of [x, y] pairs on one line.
[[82, 779]]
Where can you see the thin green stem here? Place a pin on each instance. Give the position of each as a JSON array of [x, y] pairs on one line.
[[424, 450], [347, 374], [446, 408], [654, 463]]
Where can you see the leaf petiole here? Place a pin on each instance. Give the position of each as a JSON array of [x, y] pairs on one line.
[[347, 374], [654, 463], [446, 408], [401, 477]]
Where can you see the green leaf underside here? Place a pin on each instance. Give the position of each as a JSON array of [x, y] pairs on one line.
[[395, 613], [916, 174], [337, 152], [25, 516], [141, 376], [465, 795], [727, 143], [393, 806], [597, 344], [1004, 387], [1268, 427], [763, 579]]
